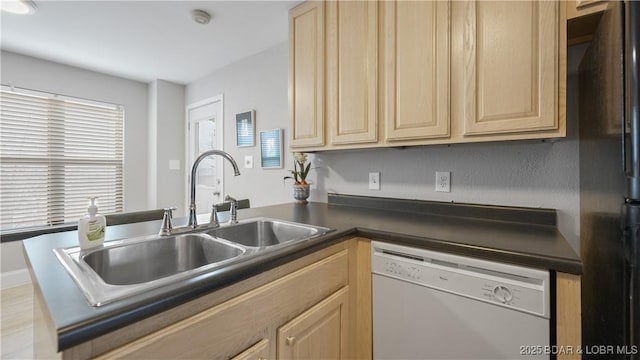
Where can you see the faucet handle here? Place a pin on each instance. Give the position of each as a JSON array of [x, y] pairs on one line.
[[213, 221], [233, 209], [167, 226]]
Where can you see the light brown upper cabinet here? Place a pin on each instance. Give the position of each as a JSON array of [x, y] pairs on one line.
[[352, 82], [577, 8], [306, 74], [510, 68], [405, 73], [416, 53]]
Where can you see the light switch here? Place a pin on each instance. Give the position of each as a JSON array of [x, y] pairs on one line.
[[248, 162], [174, 164]]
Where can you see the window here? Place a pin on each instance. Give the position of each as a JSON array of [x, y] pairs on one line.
[[55, 152]]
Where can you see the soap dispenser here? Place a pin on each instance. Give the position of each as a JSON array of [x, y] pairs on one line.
[[91, 227]]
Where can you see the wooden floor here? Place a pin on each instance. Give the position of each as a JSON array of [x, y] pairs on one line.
[[16, 317]]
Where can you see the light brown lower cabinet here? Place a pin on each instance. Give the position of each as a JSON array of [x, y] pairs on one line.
[[568, 318], [318, 333], [298, 310], [232, 328]]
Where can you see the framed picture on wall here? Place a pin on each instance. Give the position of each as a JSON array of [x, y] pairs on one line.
[[271, 151], [245, 128]]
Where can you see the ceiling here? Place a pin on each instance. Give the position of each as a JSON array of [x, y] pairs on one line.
[[146, 40]]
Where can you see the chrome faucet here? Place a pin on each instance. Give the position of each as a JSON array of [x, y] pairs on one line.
[[193, 221]]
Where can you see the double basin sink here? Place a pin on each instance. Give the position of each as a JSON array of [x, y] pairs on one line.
[[124, 268]]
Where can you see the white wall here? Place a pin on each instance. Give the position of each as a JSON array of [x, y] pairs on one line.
[[166, 142], [259, 82]]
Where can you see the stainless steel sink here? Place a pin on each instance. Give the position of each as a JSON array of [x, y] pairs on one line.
[[123, 268], [127, 267], [264, 232], [152, 260]]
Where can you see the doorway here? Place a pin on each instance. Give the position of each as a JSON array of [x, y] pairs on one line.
[[205, 132]]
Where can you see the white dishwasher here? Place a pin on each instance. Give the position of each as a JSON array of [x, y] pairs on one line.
[[432, 305]]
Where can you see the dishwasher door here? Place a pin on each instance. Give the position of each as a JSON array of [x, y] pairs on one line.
[[425, 307]]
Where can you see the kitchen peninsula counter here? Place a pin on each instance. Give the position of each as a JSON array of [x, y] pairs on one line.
[[520, 236]]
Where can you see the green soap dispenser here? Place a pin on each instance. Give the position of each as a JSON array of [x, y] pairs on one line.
[[91, 227]]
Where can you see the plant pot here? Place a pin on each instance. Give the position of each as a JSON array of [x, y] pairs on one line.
[[301, 193]]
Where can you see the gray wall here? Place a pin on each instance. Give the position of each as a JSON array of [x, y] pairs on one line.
[[260, 83], [166, 142], [36, 74], [535, 175]]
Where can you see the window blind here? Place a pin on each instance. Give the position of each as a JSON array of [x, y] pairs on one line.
[[55, 152]]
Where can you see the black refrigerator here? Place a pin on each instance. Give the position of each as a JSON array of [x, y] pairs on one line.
[[609, 132]]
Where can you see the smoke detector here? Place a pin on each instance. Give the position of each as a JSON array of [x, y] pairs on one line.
[[200, 16]]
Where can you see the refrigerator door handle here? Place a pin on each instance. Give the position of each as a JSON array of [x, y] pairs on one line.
[[625, 170], [631, 96], [625, 150]]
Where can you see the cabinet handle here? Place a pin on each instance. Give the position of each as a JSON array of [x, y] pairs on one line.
[[290, 340]]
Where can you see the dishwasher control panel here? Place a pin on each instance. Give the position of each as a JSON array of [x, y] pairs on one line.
[[519, 288]]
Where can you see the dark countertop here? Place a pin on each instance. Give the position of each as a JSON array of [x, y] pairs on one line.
[[536, 244]]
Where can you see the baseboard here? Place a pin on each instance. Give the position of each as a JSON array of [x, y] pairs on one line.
[[14, 278]]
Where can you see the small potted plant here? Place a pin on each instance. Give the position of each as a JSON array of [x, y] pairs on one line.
[[300, 172]]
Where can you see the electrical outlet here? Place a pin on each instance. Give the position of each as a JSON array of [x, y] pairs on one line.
[[374, 181], [443, 181]]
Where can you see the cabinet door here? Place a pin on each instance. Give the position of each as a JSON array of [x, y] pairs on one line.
[[306, 74], [352, 84], [510, 51], [417, 69], [577, 8], [318, 333], [259, 351]]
